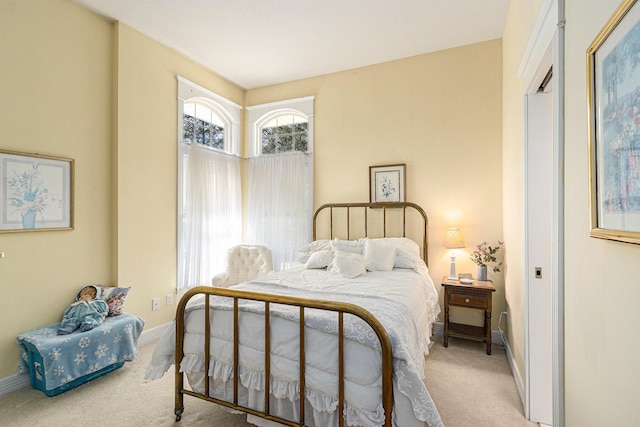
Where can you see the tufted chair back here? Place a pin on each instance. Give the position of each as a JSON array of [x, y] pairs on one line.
[[244, 263]]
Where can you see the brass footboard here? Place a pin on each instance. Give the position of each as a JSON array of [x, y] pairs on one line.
[[302, 303]]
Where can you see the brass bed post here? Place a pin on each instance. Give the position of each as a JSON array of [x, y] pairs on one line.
[[348, 223], [178, 375], [303, 383], [384, 221], [331, 223], [341, 367], [207, 343], [366, 218], [404, 221], [236, 351], [267, 356]]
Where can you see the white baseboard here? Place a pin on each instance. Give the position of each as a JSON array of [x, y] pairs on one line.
[[18, 381], [496, 336], [14, 383], [516, 373]]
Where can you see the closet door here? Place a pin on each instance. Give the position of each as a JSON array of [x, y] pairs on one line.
[[539, 275]]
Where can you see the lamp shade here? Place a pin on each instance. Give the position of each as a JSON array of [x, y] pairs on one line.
[[454, 239]]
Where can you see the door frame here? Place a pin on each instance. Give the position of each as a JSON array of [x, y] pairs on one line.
[[545, 50]]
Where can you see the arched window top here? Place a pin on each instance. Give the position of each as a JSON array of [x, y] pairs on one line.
[[204, 111], [205, 124], [282, 117], [207, 119], [281, 127], [284, 131]]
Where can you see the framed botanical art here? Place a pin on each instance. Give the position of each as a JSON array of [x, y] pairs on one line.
[[36, 192], [613, 61], [387, 183]]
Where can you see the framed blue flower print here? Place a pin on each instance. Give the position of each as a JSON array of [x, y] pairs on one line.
[[613, 61], [36, 192]]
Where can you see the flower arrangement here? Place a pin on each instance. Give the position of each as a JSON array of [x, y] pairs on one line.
[[27, 191], [484, 254]]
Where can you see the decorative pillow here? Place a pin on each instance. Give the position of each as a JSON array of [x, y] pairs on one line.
[[320, 259], [353, 246], [402, 261], [115, 298], [379, 255], [408, 251], [349, 264], [315, 246]]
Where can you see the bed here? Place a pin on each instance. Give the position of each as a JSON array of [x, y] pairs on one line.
[[348, 326]]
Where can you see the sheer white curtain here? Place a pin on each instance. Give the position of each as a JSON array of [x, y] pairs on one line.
[[211, 214], [278, 215]]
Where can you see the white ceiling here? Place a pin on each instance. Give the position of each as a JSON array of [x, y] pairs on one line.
[[256, 43]]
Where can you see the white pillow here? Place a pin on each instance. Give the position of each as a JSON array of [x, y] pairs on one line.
[[349, 265], [315, 246], [320, 259], [408, 251], [379, 255], [353, 246], [402, 261]]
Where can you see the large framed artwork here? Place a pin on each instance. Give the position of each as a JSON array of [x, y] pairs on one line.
[[613, 62], [387, 183], [36, 192]]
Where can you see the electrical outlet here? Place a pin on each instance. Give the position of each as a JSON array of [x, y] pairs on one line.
[[155, 304], [169, 299]]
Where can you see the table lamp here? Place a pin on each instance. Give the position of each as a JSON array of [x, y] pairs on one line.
[[453, 241]]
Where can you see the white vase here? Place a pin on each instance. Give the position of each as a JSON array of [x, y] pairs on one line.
[[482, 272]]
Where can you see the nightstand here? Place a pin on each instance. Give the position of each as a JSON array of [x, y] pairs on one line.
[[476, 295]]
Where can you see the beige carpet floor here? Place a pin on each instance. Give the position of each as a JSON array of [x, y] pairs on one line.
[[468, 387]]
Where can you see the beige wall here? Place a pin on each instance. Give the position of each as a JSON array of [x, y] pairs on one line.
[[520, 22], [602, 342], [436, 113], [55, 92]]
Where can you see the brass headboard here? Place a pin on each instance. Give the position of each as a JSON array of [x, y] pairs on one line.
[[397, 219]]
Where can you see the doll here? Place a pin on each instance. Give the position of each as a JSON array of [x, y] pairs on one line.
[[87, 312]]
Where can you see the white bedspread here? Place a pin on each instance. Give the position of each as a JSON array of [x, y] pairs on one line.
[[404, 301]]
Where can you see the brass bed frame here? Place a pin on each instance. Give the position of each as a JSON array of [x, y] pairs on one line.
[[375, 209]]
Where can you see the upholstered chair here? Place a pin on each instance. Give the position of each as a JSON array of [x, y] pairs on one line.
[[244, 263]]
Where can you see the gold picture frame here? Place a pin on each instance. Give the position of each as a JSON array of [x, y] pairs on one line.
[[36, 192], [387, 183], [614, 120]]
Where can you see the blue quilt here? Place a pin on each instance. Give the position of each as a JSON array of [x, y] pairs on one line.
[[68, 357]]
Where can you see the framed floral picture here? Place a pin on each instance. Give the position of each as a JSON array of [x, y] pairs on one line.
[[613, 60], [36, 192], [387, 183]]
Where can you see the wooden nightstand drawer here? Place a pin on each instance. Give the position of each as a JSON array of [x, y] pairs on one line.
[[473, 301]]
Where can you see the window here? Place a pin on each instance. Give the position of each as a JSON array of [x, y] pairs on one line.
[[209, 190], [284, 133], [280, 127], [203, 125], [281, 177]]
